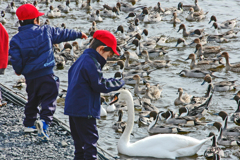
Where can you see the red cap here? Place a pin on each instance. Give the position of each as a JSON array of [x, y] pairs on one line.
[[27, 11], [107, 38]]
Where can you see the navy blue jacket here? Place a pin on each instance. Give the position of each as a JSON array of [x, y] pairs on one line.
[[85, 82], [31, 49]]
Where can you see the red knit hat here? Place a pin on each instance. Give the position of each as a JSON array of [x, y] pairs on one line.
[[107, 38], [28, 11]]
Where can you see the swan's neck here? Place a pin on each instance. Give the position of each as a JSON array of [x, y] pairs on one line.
[[125, 138]]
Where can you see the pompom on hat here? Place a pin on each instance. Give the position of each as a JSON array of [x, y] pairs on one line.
[[107, 38], [28, 11]]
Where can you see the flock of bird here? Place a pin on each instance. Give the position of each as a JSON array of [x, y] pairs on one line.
[[139, 58]]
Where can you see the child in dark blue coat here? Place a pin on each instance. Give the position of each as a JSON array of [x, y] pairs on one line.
[[85, 83], [32, 56]]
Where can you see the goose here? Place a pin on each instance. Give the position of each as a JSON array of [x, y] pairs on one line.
[[64, 8], [195, 73], [182, 121], [214, 149], [119, 126], [137, 89], [229, 24], [152, 93], [202, 64], [182, 99], [151, 18], [103, 111], [229, 67], [206, 51], [53, 12], [95, 17], [156, 63], [235, 117], [175, 20], [225, 141], [193, 16], [2, 19], [228, 34], [154, 146], [222, 86], [156, 129], [234, 131]]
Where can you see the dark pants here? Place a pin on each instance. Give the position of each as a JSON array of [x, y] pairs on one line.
[[85, 135], [0, 95], [44, 91]]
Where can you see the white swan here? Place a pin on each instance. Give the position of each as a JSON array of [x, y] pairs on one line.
[[158, 146]]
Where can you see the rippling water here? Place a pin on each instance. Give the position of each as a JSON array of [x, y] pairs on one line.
[[222, 9]]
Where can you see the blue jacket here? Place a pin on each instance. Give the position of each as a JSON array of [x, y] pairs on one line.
[[85, 82], [31, 49]]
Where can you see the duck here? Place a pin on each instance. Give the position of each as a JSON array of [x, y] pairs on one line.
[[185, 33], [157, 146], [122, 36], [65, 8], [95, 17], [127, 7], [182, 121], [234, 131], [214, 149], [235, 117], [103, 111], [195, 73], [53, 12], [148, 42], [221, 86], [201, 40], [131, 56], [228, 34], [93, 27], [195, 16], [229, 67], [20, 83], [229, 24], [207, 51], [225, 141], [202, 64], [2, 18], [198, 110], [12, 8], [152, 93], [158, 8], [187, 7], [137, 89], [129, 79], [134, 27], [175, 20], [181, 40], [110, 13], [182, 99], [151, 18], [86, 5], [119, 126], [156, 129], [155, 63], [146, 117]]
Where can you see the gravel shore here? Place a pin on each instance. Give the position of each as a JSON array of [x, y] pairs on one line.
[[15, 144]]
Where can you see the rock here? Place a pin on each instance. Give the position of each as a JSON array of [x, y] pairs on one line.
[[64, 144]]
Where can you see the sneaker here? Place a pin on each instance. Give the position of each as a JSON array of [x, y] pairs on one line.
[[30, 129], [42, 128]]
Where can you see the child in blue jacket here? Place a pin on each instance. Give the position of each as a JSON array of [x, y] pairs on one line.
[[85, 83], [32, 56]]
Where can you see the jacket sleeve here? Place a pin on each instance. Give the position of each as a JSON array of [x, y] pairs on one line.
[[100, 84], [62, 35], [16, 58]]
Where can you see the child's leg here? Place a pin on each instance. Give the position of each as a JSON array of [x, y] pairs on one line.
[[48, 93], [31, 109], [87, 130], [78, 142]]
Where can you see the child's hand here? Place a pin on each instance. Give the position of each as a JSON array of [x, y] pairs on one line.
[[84, 36]]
